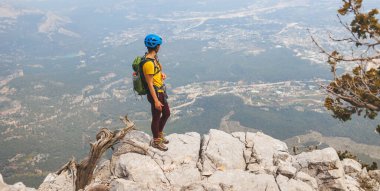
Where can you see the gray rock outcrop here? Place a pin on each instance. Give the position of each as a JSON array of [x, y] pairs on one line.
[[220, 152], [325, 166], [52, 182], [237, 161], [15, 187], [221, 161], [375, 174], [351, 166]]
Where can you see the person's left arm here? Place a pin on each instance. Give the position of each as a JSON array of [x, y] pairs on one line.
[[163, 75]]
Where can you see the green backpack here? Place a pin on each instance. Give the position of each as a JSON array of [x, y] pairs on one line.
[[139, 83]]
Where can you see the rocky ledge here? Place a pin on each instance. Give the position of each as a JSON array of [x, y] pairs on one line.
[[220, 161]]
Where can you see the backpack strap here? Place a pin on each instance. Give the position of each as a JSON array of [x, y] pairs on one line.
[[141, 72], [145, 60]]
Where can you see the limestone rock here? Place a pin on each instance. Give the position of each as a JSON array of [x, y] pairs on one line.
[[179, 163], [136, 135], [351, 166], [352, 184], [240, 135], [307, 179], [140, 168], [240, 180], [62, 182], [135, 141], [221, 151], [2, 184], [203, 186], [286, 184], [375, 174], [19, 186], [126, 185], [249, 139], [217, 162], [287, 170], [366, 182], [50, 177], [102, 172], [265, 151], [97, 187], [325, 166]]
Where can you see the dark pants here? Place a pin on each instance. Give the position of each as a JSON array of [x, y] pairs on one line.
[[159, 118]]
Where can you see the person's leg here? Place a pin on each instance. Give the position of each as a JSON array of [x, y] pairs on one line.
[[155, 125], [165, 113], [156, 114], [163, 119]]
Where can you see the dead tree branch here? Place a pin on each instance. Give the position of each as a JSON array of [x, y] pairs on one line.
[[83, 172]]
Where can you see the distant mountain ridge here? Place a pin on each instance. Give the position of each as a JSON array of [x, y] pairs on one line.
[[217, 161]]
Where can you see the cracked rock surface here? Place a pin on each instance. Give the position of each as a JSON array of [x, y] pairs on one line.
[[220, 161]]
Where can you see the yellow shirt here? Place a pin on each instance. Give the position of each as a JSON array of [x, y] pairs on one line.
[[149, 68]]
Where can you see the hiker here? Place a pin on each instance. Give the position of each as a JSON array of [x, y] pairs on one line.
[[156, 95]]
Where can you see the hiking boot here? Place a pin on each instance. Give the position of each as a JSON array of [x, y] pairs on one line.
[[163, 139], [158, 144]]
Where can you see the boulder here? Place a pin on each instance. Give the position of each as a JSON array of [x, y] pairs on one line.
[[217, 162], [221, 151], [126, 185], [2, 184], [351, 166], [241, 136], [366, 182], [287, 170], [97, 187], [50, 177], [62, 182], [203, 186], [135, 141], [19, 186], [141, 169], [307, 179], [136, 135], [102, 172], [179, 163], [240, 180], [375, 174], [325, 166], [352, 184], [286, 184], [266, 151], [249, 139]]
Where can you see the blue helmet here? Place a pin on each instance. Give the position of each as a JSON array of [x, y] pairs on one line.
[[152, 40]]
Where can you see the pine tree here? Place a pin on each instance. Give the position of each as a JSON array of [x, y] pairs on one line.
[[356, 92]]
